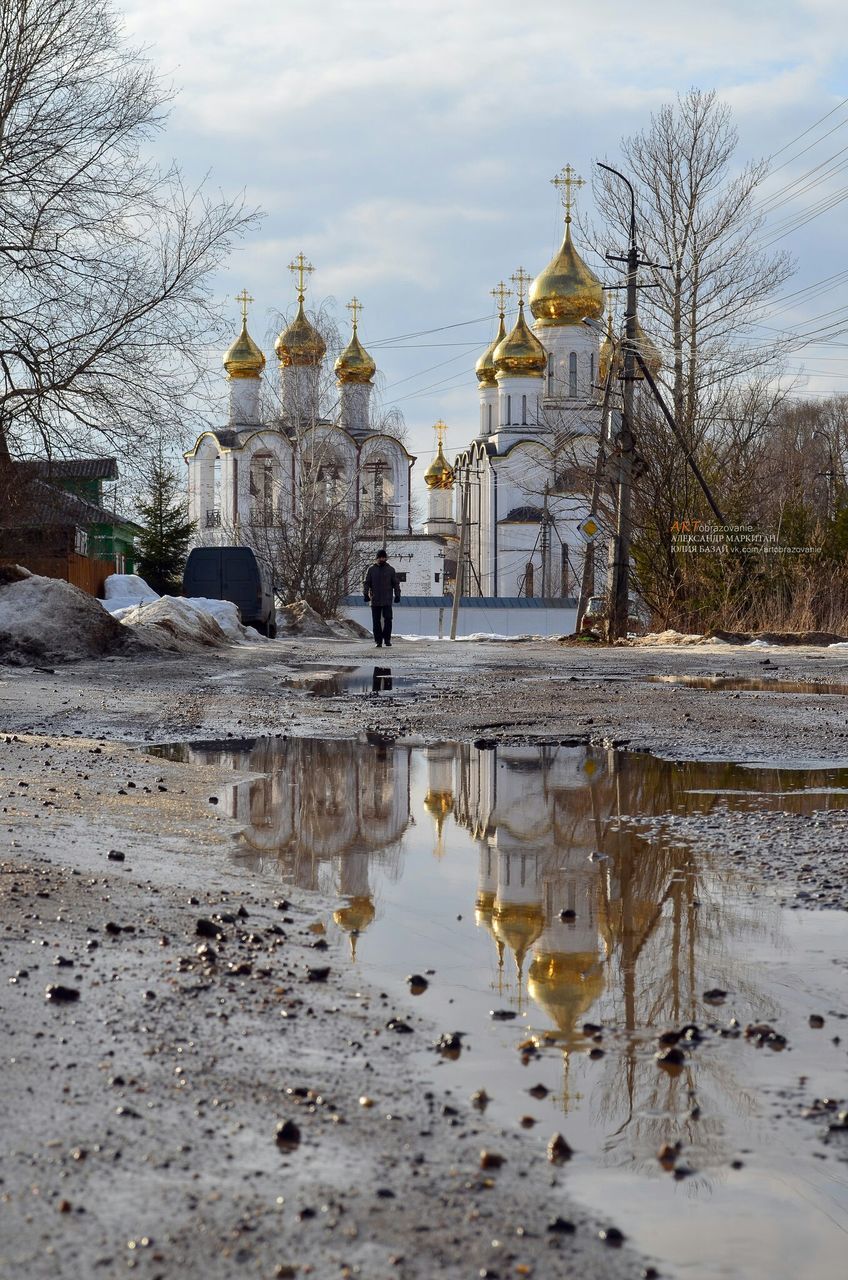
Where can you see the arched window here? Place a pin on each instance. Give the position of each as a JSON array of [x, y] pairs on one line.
[[508, 410], [489, 424], [572, 374], [264, 489], [524, 411]]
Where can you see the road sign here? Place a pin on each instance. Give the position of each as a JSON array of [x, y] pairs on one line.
[[589, 529]]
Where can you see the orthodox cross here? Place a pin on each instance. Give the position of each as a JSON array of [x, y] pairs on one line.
[[501, 293], [565, 181], [520, 279], [245, 299], [440, 428], [301, 268], [354, 307]]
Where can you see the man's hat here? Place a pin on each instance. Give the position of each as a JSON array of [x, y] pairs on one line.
[[382, 554]]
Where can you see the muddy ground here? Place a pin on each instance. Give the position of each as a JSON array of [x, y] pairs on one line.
[[140, 1118]]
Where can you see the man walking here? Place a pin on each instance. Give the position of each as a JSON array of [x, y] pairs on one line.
[[381, 587]]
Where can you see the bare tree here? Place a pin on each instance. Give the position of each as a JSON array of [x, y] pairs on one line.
[[697, 215], [105, 306]]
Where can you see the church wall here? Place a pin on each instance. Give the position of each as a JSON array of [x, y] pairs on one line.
[[567, 378]]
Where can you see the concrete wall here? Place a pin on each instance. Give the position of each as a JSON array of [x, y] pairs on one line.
[[422, 617]]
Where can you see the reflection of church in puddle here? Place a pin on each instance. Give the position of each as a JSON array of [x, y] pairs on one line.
[[543, 900], [328, 814], [332, 816]]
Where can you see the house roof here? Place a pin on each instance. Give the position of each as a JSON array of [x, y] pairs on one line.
[[75, 468], [45, 504]]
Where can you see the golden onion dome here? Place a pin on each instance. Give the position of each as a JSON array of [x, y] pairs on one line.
[[439, 474], [565, 986], [244, 359], [300, 343], [520, 353], [567, 290], [485, 366], [610, 353], [355, 364], [648, 351]]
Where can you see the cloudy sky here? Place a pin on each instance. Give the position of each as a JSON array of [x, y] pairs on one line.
[[407, 148]]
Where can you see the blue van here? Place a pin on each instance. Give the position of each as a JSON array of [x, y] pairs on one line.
[[233, 573]]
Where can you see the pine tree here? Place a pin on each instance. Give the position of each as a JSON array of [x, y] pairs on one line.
[[163, 546]]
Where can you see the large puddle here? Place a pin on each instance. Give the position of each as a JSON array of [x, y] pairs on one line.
[[507, 878], [751, 684]]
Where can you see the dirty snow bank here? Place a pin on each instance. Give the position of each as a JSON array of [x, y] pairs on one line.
[[48, 620], [125, 591], [669, 637], [186, 624], [300, 619]]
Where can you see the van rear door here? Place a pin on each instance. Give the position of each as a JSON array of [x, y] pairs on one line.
[[240, 581], [202, 576]]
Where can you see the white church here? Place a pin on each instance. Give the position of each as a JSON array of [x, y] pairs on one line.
[[519, 484]]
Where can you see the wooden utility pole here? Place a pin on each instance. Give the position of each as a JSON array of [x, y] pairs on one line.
[[620, 586], [460, 558]]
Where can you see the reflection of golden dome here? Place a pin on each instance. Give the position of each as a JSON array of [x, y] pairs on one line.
[[520, 352], [300, 343], [439, 804], [354, 918], [244, 359], [565, 985], [567, 290], [518, 925], [485, 366], [439, 474], [355, 364]]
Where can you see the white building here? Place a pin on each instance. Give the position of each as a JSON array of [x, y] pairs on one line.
[[522, 481]]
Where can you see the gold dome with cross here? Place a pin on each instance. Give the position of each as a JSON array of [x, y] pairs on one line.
[[439, 474], [244, 359], [355, 365], [567, 290], [520, 353], [300, 343]]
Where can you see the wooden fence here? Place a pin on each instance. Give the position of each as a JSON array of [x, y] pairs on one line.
[[81, 571]]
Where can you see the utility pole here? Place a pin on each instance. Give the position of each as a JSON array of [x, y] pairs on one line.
[[460, 557], [620, 586]]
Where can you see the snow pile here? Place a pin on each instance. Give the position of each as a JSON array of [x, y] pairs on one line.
[[48, 620], [300, 619], [174, 622], [669, 637], [347, 629], [125, 591]]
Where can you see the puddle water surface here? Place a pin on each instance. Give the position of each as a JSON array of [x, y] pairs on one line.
[[509, 875], [749, 684], [337, 681]]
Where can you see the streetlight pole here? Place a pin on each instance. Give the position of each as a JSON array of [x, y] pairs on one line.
[[620, 586]]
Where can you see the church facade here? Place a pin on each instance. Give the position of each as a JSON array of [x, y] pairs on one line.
[[519, 486]]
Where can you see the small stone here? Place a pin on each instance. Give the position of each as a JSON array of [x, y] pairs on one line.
[[491, 1160], [558, 1150], [207, 929], [568, 914], [365, 1101], [417, 984], [284, 1271], [480, 1100], [399, 1026], [527, 1122], [816, 1021], [115, 855], [670, 1059], [502, 1015], [58, 994], [287, 1135], [715, 995], [317, 975], [612, 1236], [538, 1091], [562, 1226], [64, 1206]]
